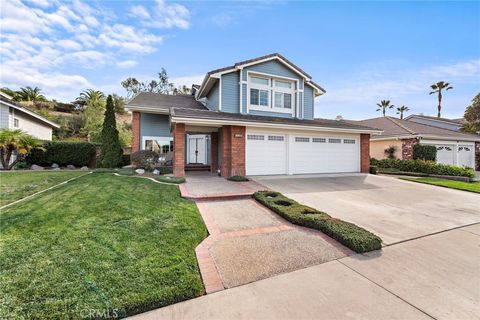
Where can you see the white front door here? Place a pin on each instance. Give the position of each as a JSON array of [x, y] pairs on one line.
[[197, 149]]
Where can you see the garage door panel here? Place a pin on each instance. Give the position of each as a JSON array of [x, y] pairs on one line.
[[466, 156], [266, 154]]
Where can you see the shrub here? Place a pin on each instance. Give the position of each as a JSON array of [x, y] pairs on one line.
[[373, 169], [390, 152], [63, 153], [424, 152], [125, 160], [144, 159], [237, 178], [348, 234], [423, 166], [165, 170], [111, 153]]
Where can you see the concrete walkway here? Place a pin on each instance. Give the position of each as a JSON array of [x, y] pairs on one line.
[[434, 277]]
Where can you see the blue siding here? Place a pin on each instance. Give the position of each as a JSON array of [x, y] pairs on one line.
[[271, 67], [213, 97], [156, 125], [231, 92], [436, 124], [244, 97], [308, 102]]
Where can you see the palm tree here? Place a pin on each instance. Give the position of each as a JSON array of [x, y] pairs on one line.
[[437, 88], [16, 140], [30, 94], [90, 96], [384, 105], [401, 110]]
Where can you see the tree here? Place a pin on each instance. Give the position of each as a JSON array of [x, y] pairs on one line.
[[16, 140], [30, 94], [183, 89], [401, 110], [111, 154], [437, 88], [93, 115], [384, 105], [163, 85], [90, 96], [119, 103], [472, 116]]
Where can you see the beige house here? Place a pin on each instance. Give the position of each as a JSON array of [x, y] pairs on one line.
[[453, 147], [14, 116]]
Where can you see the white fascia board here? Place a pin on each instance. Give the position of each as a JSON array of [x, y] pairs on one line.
[[434, 137], [147, 109], [317, 88], [31, 113], [380, 138], [207, 122]]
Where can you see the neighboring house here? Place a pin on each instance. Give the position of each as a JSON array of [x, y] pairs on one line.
[[252, 118], [14, 116], [450, 124], [453, 147]]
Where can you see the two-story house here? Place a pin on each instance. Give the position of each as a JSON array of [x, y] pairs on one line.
[[255, 117]]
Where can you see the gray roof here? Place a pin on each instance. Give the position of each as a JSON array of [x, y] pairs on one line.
[[21, 108], [165, 101], [320, 123], [393, 127], [454, 121]]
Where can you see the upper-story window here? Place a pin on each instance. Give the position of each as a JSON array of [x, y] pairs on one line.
[[16, 123], [271, 94]]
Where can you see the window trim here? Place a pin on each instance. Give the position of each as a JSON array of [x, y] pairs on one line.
[[145, 138], [16, 123]]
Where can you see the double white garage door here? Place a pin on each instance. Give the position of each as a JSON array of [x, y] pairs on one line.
[[298, 153], [461, 154]]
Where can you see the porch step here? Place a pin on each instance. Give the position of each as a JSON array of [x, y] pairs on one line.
[[197, 167]]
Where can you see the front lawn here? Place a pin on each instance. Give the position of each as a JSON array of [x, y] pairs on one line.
[[101, 246], [15, 185], [460, 185]]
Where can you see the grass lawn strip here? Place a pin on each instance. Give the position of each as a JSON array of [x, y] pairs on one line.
[[348, 234], [114, 246], [16, 185], [459, 185]]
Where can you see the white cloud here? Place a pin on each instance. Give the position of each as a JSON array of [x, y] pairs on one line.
[[129, 39], [163, 15], [127, 63], [41, 3], [188, 80], [68, 44]]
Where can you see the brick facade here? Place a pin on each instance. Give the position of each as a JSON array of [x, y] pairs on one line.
[[477, 155], [407, 148], [179, 150], [232, 151], [364, 153], [135, 131], [214, 152]]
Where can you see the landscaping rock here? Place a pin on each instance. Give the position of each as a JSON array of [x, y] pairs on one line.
[[140, 171], [35, 167], [84, 168], [56, 169], [156, 171], [54, 166], [71, 167]]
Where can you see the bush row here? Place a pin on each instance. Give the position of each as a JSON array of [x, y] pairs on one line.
[[348, 234], [63, 153], [423, 166], [424, 152]]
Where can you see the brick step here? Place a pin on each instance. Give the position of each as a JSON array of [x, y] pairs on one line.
[[197, 167]]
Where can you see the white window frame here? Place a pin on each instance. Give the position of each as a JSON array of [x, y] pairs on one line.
[[145, 138], [271, 89]]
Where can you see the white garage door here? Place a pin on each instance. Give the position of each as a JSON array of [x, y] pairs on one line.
[[446, 154], [465, 156], [266, 154], [315, 154]]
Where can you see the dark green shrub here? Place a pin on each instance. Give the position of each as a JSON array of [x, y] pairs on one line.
[[63, 153], [390, 152], [422, 166], [111, 153], [424, 152], [373, 169], [237, 178], [125, 160], [21, 165], [144, 159], [165, 170], [348, 234]]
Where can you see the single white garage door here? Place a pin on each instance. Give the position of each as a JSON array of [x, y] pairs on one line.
[[315, 154], [446, 154], [266, 154], [466, 156], [458, 155]]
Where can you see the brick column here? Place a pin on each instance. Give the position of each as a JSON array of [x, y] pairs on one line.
[[135, 131], [179, 150], [477, 155], [407, 148], [233, 151], [214, 152], [364, 153]]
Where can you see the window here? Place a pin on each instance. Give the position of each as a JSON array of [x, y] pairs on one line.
[[259, 97], [283, 84], [332, 140], [161, 145], [301, 139], [255, 137], [319, 140], [261, 81], [270, 93], [275, 138], [16, 123], [349, 141]]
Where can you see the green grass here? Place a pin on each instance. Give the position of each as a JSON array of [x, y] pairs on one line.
[[348, 234], [459, 185], [15, 185], [102, 245], [176, 180]]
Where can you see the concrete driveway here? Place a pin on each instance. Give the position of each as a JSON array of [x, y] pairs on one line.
[[394, 209]]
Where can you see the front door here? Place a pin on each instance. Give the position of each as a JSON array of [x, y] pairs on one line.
[[197, 149]]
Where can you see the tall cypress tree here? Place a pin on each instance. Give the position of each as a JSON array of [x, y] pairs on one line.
[[111, 154]]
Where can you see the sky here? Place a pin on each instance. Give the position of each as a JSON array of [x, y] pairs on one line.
[[360, 52]]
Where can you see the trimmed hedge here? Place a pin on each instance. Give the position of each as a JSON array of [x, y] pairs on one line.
[[63, 153], [237, 178], [424, 152], [422, 166], [348, 234]]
